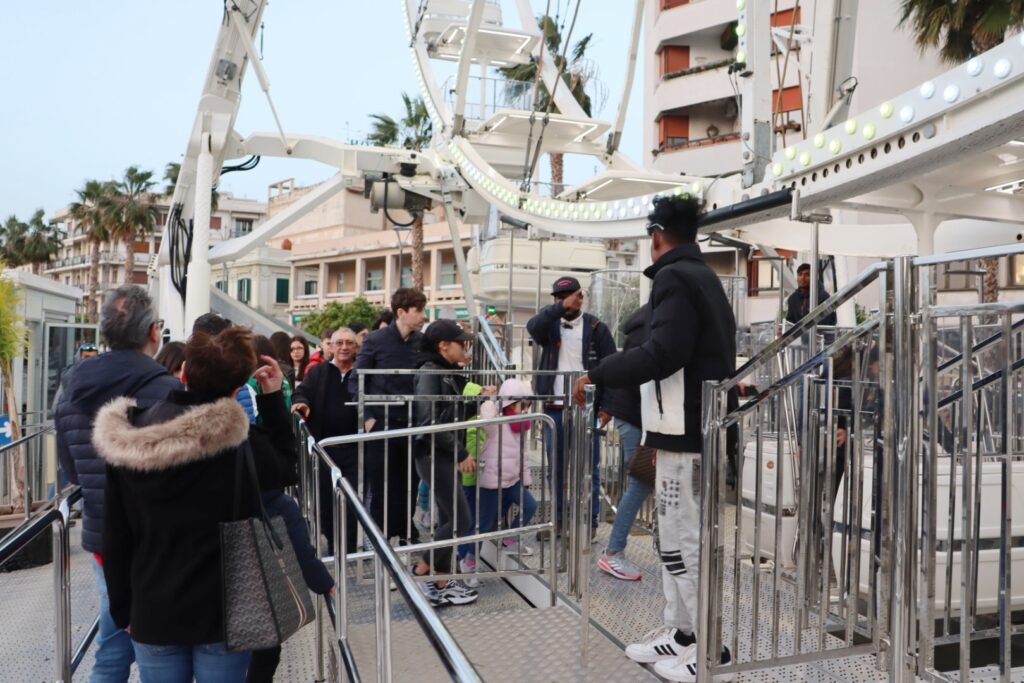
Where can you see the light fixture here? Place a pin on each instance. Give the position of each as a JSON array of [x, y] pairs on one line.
[[741, 56], [927, 90], [819, 140], [951, 93], [741, 5], [777, 170], [1001, 68], [741, 30], [907, 114], [697, 188], [791, 152], [869, 131], [805, 159], [851, 126], [835, 146], [886, 110], [975, 66]]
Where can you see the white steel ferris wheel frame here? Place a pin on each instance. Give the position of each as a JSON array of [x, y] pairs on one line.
[[891, 158]]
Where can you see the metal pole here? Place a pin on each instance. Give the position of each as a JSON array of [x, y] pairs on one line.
[[540, 267], [62, 594], [586, 449], [383, 620], [511, 270], [197, 292], [812, 344]]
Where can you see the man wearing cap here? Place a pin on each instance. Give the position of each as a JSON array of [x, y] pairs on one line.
[[691, 339], [799, 304], [570, 341]]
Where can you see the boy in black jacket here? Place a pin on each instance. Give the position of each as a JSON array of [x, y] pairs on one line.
[[692, 339]]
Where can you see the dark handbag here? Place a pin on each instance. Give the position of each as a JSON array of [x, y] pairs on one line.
[[265, 597], [641, 466]]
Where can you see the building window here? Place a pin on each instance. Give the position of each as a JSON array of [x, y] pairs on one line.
[[222, 286], [341, 283], [448, 275], [1017, 271], [281, 293], [244, 289], [673, 131], [960, 276], [309, 287], [674, 58], [243, 226], [374, 279], [406, 277]]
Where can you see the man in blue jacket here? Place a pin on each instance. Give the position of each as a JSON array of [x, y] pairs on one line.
[[129, 324], [570, 341]]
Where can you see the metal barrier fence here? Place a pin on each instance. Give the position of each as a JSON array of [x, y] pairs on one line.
[[874, 478], [28, 472], [314, 455]]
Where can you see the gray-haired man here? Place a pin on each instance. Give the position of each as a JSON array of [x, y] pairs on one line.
[[129, 324]]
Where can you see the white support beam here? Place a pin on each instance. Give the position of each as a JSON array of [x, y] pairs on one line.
[[754, 44], [197, 290], [476, 13], [564, 100], [230, 250], [615, 137], [835, 25]]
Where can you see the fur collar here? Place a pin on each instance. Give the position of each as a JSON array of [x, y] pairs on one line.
[[198, 433]]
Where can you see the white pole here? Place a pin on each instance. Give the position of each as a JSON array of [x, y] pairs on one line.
[[197, 291]]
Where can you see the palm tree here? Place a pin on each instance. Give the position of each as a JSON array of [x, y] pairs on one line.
[[962, 30], [131, 212], [413, 131], [88, 212], [13, 234], [171, 172], [577, 73], [43, 240], [13, 342]]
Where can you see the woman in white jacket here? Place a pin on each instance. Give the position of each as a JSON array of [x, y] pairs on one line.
[[502, 471]]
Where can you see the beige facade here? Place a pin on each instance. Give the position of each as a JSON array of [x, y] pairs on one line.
[[341, 250], [233, 217], [261, 279]]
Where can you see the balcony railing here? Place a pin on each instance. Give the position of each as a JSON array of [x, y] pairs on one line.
[[498, 93], [671, 144], [698, 68]]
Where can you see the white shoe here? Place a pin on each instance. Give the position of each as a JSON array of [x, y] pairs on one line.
[[467, 567], [658, 645], [512, 546], [684, 669]]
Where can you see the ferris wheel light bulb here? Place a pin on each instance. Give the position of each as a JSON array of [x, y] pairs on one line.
[[869, 131], [805, 159], [791, 152], [741, 30], [741, 56], [819, 140], [851, 126], [741, 5], [835, 146], [1001, 68], [927, 90], [697, 188], [907, 114], [777, 170], [886, 110], [951, 94], [975, 66]]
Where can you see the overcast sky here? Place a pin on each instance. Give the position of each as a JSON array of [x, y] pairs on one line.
[[90, 88]]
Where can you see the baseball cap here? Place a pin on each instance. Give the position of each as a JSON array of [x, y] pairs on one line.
[[565, 285], [445, 330]]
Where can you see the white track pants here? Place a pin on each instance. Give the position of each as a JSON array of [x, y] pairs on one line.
[[679, 487]]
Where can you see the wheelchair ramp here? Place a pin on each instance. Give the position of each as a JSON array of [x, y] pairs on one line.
[[539, 645]]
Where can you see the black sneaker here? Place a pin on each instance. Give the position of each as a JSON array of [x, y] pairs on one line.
[[455, 592]]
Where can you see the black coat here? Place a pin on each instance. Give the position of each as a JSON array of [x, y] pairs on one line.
[[386, 349], [427, 412], [624, 402], [692, 330], [326, 392], [170, 483], [546, 329], [799, 305], [87, 386]]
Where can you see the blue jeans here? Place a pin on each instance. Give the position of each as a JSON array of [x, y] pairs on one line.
[[636, 491], [114, 653], [489, 510], [558, 465], [210, 663]]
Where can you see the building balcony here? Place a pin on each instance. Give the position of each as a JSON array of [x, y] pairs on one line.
[[697, 15], [700, 157], [695, 88]]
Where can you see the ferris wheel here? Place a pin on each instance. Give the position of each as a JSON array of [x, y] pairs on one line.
[[485, 154]]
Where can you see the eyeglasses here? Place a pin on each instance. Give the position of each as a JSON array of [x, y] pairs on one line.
[[651, 227], [88, 347], [297, 348]]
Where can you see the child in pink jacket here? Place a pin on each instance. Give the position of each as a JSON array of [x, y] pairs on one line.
[[504, 455]]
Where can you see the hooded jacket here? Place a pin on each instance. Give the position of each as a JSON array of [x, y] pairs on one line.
[[170, 483], [86, 388], [510, 454], [692, 339], [425, 412]]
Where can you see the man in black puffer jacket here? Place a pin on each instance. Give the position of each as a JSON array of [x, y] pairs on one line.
[[130, 327]]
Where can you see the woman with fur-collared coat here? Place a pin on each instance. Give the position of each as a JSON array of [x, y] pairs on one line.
[[170, 483]]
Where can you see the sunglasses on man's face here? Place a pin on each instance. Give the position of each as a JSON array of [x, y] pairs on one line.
[[651, 227], [88, 347]]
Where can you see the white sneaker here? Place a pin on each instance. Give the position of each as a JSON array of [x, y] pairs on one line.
[[512, 546], [658, 645], [467, 566], [684, 669]]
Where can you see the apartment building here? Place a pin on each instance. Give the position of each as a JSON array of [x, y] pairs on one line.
[[234, 216], [341, 250]]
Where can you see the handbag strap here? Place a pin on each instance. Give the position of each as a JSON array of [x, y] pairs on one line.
[[245, 462]]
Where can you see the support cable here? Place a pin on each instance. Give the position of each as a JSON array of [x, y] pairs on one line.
[[524, 185]]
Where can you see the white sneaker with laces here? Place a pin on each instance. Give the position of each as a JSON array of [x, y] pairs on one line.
[[467, 566], [659, 645], [455, 592], [512, 546], [684, 669]]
